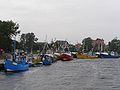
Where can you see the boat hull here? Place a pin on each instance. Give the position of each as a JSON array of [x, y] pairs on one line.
[[14, 67], [107, 56], [47, 62], [85, 56], [66, 57], [37, 60]]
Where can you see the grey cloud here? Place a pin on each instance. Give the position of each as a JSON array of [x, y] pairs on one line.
[[71, 19]]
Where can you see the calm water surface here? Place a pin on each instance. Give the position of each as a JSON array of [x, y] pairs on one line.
[[97, 74]]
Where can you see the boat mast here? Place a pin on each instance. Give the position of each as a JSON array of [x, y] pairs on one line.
[[14, 42], [43, 50]]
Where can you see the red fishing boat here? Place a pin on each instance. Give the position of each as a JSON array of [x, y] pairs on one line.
[[66, 57]]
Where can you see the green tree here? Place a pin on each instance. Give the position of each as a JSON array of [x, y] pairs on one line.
[[27, 41], [87, 44], [8, 29], [23, 41], [114, 45]]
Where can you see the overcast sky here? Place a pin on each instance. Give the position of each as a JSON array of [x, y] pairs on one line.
[[71, 20]]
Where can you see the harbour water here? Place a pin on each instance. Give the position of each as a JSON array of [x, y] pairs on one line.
[[78, 74]]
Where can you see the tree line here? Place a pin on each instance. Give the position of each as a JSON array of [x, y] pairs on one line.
[[112, 46], [28, 41]]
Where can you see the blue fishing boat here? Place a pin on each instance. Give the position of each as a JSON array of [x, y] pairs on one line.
[[16, 66], [47, 60]]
